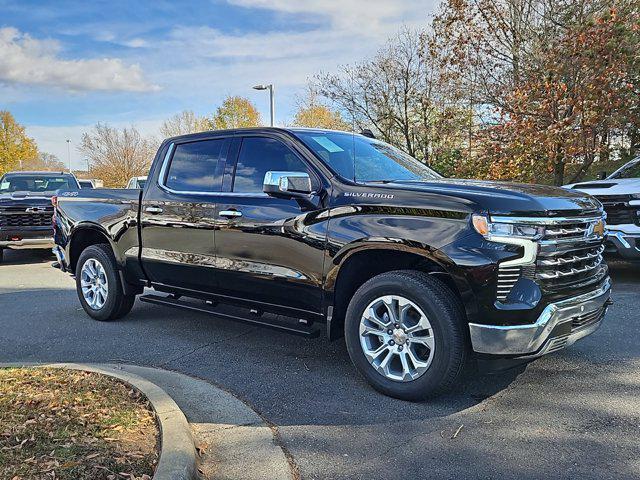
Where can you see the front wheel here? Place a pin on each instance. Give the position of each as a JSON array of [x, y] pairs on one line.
[[405, 334], [98, 284]]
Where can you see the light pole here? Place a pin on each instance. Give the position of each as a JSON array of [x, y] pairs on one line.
[[271, 89], [69, 153]]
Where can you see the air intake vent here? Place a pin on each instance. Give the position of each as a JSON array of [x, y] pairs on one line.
[[507, 278]]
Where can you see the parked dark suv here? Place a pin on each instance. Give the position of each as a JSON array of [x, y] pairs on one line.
[[26, 209], [304, 229]]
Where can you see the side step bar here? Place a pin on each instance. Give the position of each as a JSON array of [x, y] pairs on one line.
[[289, 327]]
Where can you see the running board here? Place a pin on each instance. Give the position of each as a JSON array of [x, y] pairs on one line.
[[169, 301]]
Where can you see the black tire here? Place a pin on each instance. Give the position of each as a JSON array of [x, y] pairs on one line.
[[1, 254], [117, 304], [446, 317]]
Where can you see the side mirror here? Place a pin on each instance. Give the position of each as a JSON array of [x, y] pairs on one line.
[[602, 175], [287, 184]]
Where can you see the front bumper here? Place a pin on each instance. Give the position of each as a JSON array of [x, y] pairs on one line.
[[560, 324], [627, 245], [26, 243]]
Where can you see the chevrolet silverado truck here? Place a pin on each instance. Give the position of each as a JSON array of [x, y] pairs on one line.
[[309, 230], [26, 210], [619, 193]]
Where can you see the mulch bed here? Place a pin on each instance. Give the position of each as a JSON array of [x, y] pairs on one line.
[[72, 425]]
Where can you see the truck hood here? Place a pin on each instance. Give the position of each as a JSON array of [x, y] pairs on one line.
[[26, 199], [506, 198], [622, 186], [26, 196]]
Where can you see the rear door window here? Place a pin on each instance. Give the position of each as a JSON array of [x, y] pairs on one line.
[[197, 166]]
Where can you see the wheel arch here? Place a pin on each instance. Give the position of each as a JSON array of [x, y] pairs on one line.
[[83, 236], [357, 263]]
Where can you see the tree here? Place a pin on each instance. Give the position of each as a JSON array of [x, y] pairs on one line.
[[116, 155], [44, 161], [554, 83], [15, 146], [313, 113], [235, 112], [183, 123], [403, 97]]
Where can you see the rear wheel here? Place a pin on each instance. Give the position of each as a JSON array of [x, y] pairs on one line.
[[98, 284], [404, 333]]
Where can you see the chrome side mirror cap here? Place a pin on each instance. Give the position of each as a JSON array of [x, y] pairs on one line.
[[287, 183]]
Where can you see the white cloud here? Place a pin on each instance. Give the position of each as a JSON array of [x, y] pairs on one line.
[[367, 17], [209, 63], [135, 43], [26, 60]]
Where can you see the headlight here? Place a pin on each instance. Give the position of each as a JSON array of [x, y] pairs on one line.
[[489, 229]]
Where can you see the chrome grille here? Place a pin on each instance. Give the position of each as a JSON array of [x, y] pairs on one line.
[[569, 256], [619, 212]]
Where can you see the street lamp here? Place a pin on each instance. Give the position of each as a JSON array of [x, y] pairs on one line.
[[69, 153], [272, 101]]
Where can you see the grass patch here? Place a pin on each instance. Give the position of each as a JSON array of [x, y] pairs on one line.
[[71, 425]]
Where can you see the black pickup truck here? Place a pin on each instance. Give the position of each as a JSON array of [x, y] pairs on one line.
[[310, 230], [26, 209]]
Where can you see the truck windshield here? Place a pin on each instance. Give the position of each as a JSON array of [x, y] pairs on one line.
[[37, 183], [629, 170], [364, 159]]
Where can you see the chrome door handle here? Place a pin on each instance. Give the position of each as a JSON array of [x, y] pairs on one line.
[[230, 213], [153, 210]]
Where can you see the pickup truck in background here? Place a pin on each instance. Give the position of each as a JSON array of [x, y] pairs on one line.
[[305, 230], [136, 182], [620, 195], [26, 210]]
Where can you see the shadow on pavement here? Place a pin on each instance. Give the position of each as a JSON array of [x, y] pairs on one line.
[[27, 256]]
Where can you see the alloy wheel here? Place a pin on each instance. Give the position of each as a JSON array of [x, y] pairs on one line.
[[94, 283], [397, 338]]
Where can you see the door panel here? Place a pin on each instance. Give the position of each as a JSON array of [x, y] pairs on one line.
[[269, 250], [178, 216], [272, 254]]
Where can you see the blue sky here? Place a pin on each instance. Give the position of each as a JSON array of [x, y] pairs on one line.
[[66, 65]]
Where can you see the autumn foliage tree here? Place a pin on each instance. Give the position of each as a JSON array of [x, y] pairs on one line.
[[183, 123], [555, 83], [116, 155], [403, 96], [45, 162], [235, 112], [312, 112], [16, 148]]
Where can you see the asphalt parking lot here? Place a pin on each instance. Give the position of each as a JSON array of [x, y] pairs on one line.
[[573, 414]]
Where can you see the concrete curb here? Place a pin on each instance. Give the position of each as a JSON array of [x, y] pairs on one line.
[[178, 460]]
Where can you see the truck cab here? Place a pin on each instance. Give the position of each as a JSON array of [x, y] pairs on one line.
[[318, 231]]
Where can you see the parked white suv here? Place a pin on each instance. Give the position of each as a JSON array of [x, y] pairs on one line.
[[620, 195]]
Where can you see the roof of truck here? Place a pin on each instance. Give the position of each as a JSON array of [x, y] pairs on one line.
[[36, 172], [234, 131]]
